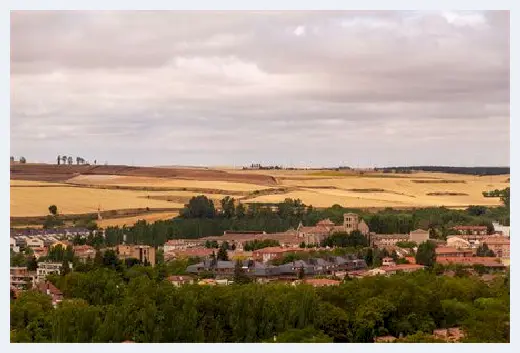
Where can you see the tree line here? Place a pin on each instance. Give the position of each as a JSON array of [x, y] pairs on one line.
[[200, 218], [138, 304]]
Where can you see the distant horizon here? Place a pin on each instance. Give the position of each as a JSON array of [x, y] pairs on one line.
[[273, 165]]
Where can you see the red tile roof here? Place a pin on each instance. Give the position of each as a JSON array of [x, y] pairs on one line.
[[403, 267], [448, 250], [470, 261]]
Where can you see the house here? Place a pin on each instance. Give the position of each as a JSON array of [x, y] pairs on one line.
[[457, 242], [293, 268], [48, 288], [178, 281], [388, 261], [500, 229], [384, 339], [321, 282], [321, 266], [84, 252], [471, 230], [216, 267], [348, 264], [64, 244], [39, 252], [143, 253], [13, 246], [35, 243], [48, 268], [21, 278], [395, 269], [453, 334], [490, 262], [271, 253], [499, 244], [240, 255], [452, 252]]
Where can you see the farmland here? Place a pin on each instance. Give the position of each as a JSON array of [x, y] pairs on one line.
[[80, 190]]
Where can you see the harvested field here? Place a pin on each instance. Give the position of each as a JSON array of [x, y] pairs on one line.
[[71, 200], [49, 172], [128, 221], [163, 182]]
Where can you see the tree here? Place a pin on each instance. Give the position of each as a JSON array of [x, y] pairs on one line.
[[199, 207], [222, 254], [32, 264], [240, 210], [53, 209], [64, 159], [23, 160], [12, 159], [228, 206], [505, 197], [70, 160], [485, 251], [426, 254], [239, 276], [58, 159]]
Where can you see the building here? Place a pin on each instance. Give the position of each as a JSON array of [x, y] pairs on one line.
[[394, 269], [388, 261], [321, 282], [271, 253], [500, 245], [182, 244], [325, 228], [178, 281], [21, 278], [453, 334], [49, 268], [35, 243], [39, 252], [384, 240], [203, 253], [143, 253], [471, 230], [500, 229], [419, 236], [457, 242], [13, 246], [452, 252], [48, 288], [216, 267], [84, 252], [490, 262]]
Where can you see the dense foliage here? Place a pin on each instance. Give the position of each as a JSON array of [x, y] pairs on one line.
[[105, 305], [201, 219]]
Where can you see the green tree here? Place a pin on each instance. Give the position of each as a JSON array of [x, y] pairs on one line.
[[485, 251], [228, 206], [240, 210], [23, 160], [222, 254], [53, 210], [426, 254], [199, 207]]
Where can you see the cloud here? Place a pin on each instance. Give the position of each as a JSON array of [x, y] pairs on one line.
[[387, 87]]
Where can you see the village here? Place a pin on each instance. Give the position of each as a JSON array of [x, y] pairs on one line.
[[306, 262]]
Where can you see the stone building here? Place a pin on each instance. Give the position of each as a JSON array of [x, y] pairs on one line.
[[325, 228]]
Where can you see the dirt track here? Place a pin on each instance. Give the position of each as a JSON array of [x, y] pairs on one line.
[[61, 173]]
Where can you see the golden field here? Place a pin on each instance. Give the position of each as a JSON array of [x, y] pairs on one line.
[[313, 187], [128, 221], [162, 182]]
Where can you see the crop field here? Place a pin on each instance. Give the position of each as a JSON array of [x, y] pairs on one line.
[[84, 193], [128, 221], [163, 182]]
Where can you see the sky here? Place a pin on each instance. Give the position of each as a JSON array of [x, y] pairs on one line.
[[304, 89]]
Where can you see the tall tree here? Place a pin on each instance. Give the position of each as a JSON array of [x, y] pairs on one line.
[[426, 254], [64, 159], [70, 160], [23, 160], [228, 206], [222, 254], [58, 159]]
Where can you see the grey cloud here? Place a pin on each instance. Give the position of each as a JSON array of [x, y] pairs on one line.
[[217, 87]]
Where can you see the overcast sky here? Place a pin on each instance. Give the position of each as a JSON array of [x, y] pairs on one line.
[[292, 88]]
